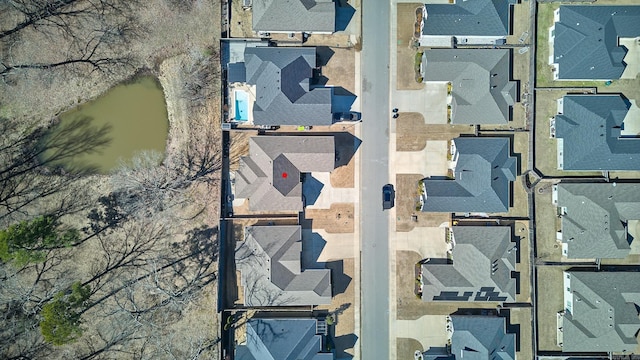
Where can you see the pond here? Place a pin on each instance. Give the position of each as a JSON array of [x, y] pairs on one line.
[[136, 114]]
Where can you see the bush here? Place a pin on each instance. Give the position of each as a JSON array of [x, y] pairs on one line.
[[61, 316]]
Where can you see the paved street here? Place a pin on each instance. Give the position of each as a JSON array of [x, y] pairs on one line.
[[374, 323]]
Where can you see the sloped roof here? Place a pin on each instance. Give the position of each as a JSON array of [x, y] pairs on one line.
[[468, 18], [483, 259], [270, 176], [283, 96], [480, 87], [282, 339], [294, 15], [604, 312], [481, 338], [594, 223], [270, 270], [586, 40], [590, 127], [483, 174]]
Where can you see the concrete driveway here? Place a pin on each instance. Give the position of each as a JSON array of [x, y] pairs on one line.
[[632, 59], [431, 102], [321, 246], [429, 242], [429, 330], [431, 161]]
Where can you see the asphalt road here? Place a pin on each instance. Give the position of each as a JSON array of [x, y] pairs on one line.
[[374, 224]]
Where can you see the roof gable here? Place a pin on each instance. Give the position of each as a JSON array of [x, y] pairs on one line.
[[483, 173], [282, 339], [483, 259], [481, 337], [590, 129], [468, 18], [586, 40], [281, 76], [602, 312], [271, 271], [270, 176], [481, 89], [294, 15], [595, 216]]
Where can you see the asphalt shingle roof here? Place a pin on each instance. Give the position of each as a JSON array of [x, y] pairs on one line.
[[595, 221], [602, 313], [481, 90], [294, 15], [483, 174], [270, 270], [483, 259], [586, 40], [468, 18], [282, 339], [283, 96], [270, 176], [590, 129]]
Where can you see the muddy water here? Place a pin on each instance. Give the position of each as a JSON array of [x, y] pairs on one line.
[[137, 115]]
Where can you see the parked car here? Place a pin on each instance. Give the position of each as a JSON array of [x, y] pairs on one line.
[[348, 116], [388, 197]]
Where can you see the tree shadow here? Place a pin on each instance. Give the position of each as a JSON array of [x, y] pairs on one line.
[[341, 100], [311, 188], [344, 14], [346, 146]]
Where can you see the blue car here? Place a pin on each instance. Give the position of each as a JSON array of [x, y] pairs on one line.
[[388, 197]]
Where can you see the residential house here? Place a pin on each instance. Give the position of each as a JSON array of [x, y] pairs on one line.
[[601, 312], [286, 16], [270, 177], [270, 269], [476, 337], [594, 132], [589, 42], [598, 220], [477, 22], [480, 89], [283, 339], [274, 85], [483, 170], [480, 267]]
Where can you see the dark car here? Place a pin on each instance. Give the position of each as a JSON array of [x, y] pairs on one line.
[[388, 197], [348, 116]]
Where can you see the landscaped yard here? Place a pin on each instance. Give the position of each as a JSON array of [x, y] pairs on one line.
[[550, 301], [405, 52]]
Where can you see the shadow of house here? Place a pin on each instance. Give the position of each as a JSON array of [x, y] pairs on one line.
[[344, 14], [323, 55], [342, 343], [346, 146], [341, 100], [311, 188], [339, 280]]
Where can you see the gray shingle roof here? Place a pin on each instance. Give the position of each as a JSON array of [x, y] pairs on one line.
[[595, 221], [282, 339], [283, 96], [468, 18], [481, 338], [602, 313], [483, 259], [483, 174], [590, 128], [294, 15], [586, 40], [270, 270], [270, 176], [480, 87]]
